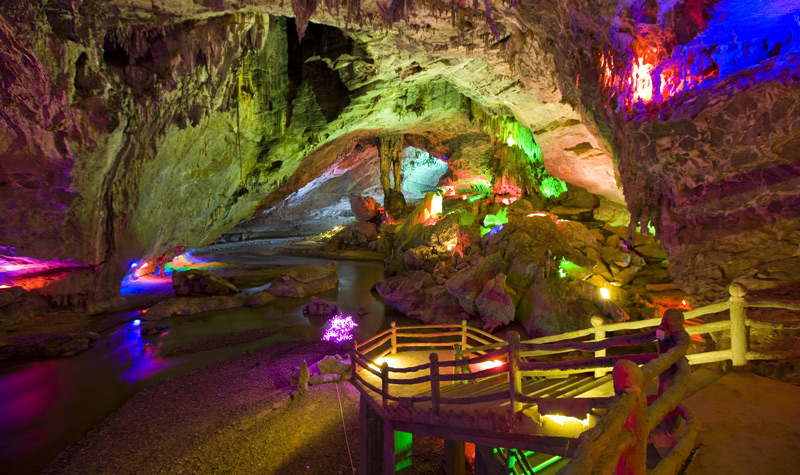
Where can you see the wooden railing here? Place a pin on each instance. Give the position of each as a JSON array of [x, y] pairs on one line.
[[619, 439], [738, 325]]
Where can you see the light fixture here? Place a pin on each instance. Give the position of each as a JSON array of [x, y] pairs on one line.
[[561, 420], [605, 293]]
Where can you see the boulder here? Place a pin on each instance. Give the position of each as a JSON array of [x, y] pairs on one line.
[[417, 295], [613, 213], [653, 251], [304, 280], [259, 299], [45, 345], [395, 204], [495, 303], [364, 207], [196, 282], [466, 284], [417, 258], [616, 257], [549, 307], [577, 197], [319, 307], [191, 305]]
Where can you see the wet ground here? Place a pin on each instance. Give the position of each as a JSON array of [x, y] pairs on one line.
[[46, 405]]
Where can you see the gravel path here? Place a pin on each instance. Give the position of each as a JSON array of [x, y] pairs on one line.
[[233, 417]]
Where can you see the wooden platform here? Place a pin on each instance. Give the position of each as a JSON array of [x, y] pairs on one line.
[[489, 423]]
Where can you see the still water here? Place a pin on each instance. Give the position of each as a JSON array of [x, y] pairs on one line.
[[46, 405]]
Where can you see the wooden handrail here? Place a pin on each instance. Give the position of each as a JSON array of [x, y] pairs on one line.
[[628, 419], [620, 340]]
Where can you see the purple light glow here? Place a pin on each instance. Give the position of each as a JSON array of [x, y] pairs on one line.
[[340, 329]]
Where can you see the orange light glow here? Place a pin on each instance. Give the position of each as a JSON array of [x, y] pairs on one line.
[[642, 81], [489, 364]]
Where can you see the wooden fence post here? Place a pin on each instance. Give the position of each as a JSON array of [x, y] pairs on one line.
[[514, 380], [599, 335], [385, 383], [628, 379], [394, 337], [463, 334], [457, 358], [435, 382], [738, 328]]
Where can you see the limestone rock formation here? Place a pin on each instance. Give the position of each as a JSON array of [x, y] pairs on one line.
[[417, 295], [198, 282], [319, 307], [45, 345], [192, 305], [304, 280]]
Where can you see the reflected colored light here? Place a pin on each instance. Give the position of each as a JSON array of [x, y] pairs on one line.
[[546, 463], [489, 364], [340, 329], [605, 293], [561, 420]]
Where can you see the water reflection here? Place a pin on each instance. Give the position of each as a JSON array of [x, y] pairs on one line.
[[137, 356], [45, 406]]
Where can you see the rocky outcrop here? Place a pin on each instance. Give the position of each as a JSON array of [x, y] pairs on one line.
[[365, 208], [319, 307], [192, 305], [197, 282], [45, 345], [259, 299], [416, 295], [304, 280]]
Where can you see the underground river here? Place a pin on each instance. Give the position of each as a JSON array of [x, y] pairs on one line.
[[46, 405]]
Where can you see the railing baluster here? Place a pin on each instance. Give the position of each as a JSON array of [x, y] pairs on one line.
[[599, 335], [384, 383], [434, 358], [738, 327], [394, 337], [514, 380], [463, 334]]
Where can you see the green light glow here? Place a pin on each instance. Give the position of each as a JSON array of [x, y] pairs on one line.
[[546, 463], [402, 450], [551, 186], [569, 268], [650, 229], [492, 220], [511, 132]]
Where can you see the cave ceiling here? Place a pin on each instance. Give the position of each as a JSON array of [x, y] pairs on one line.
[[130, 127]]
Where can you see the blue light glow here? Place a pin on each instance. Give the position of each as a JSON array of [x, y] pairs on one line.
[[496, 230], [133, 265], [137, 322]]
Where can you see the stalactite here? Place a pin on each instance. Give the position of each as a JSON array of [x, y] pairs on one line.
[[303, 9]]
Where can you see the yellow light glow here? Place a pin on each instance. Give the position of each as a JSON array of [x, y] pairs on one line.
[[436, 205], [536, 214], [560, 420], [605, 293], [511, 142]]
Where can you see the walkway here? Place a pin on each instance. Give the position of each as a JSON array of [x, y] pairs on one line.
[[750, 425]]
